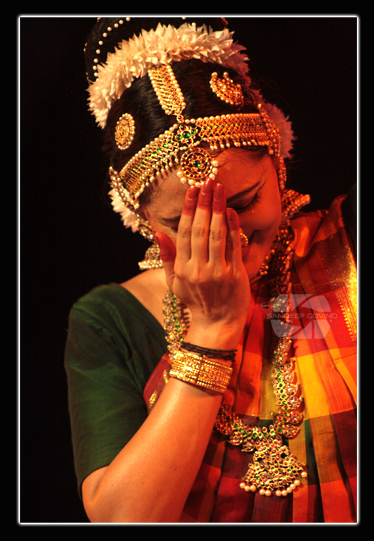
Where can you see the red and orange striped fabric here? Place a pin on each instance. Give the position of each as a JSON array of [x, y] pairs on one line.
[[324, 344]]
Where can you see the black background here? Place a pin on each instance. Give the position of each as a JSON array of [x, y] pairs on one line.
[[71, 240]]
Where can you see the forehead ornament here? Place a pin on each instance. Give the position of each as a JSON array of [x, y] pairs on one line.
[[181, 144]]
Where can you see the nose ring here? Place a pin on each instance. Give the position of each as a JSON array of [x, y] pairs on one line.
[[243, 239]]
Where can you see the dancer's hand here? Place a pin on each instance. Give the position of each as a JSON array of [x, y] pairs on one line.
[[205, 269]]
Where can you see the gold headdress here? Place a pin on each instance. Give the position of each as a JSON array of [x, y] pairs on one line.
[[153, 52], [187, 135]]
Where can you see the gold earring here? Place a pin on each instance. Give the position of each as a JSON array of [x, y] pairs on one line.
[[152, 259], [282, 173]]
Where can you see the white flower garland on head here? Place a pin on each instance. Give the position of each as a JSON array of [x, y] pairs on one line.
[[134, 57], [281, 122], [166, 44], [128, 217]]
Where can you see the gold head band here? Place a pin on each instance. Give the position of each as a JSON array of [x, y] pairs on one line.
[[187, 135]]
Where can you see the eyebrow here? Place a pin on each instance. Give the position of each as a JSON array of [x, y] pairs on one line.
[[231, 200]]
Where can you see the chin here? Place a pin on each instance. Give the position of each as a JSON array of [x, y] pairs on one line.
[[251, 262], [252, 270]]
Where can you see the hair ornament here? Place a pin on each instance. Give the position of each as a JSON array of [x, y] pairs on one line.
[[128, 217], [283, 124], [167, 90], [135, 57], [196, 163], [152, 52], [226, 89], [125, 131]]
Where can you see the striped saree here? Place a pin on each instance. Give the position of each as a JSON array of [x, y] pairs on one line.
[[324, 333]]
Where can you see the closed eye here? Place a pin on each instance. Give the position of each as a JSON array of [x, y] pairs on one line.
[[175, 228], [248, 206], [171, 224]]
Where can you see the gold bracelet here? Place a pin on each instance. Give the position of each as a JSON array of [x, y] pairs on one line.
[[200, 371]]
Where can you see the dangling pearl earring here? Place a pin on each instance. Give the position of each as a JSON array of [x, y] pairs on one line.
[[152, 259]]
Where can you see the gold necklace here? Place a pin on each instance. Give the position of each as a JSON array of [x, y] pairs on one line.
[[274, 469]]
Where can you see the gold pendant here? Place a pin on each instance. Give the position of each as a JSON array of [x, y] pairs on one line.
[[274, 469], [196, 166]]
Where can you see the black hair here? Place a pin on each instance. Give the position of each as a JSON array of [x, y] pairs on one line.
[[140, 99], [141, 102]]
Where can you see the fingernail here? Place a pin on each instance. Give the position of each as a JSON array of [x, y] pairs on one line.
[[167, 251], [218, 192], [189, 204], [207, 187], [232, 219], [205, 196], [219, 199], [193, 192]]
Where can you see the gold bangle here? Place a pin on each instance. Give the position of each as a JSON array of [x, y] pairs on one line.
[[200, 371]]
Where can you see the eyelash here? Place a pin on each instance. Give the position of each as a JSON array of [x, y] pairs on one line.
[[250, 205]]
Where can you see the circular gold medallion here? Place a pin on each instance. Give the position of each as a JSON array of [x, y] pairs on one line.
[[125, 131], [196, 165]]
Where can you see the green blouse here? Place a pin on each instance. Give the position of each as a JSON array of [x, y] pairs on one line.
[[113, 346]]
